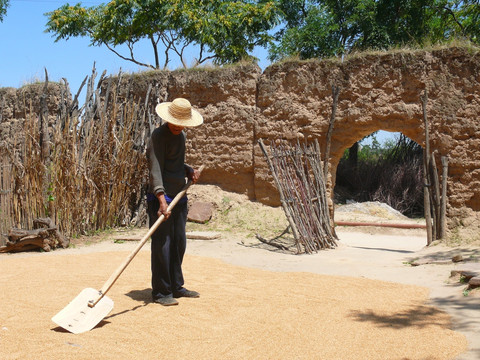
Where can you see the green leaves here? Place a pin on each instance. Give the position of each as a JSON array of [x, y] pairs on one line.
[[235, 28], [466, 16], [227, 30], [322, 28], [319, 28], [3, 8], [69, 21]]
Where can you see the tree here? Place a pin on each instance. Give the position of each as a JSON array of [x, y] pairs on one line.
[[314, 35], [323, 28], [223, 31], [3, 8], [464, 17], [320, 28]]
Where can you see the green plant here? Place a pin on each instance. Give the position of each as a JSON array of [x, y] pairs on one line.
[[3, 8], [226, 203], [222, 31], [50, 199], [319, 29]]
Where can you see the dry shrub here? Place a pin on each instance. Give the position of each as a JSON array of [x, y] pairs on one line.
[[400, 186], [394, 178]]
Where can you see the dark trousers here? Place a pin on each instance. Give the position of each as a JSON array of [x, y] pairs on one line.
[[169, 242]]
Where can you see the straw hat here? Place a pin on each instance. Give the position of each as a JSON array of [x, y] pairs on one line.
[[179, 112]]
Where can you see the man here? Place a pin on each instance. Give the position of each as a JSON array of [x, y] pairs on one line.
[[166, 155]]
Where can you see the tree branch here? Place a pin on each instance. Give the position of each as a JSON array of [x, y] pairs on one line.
[[155, 51], [125, 58], [200, 60], [179, 52], [452, 14], [168, 44]]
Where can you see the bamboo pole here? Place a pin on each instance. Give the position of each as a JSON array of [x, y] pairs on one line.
[[435, 196], [426, 161], [392, 225], [443, 202]]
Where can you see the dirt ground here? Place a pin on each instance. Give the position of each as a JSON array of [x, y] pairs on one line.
[[361, 300]]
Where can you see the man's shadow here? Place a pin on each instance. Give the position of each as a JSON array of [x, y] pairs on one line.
[[144, 296]]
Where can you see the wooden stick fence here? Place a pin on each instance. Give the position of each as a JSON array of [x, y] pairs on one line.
[[86, 172], [299, 177]]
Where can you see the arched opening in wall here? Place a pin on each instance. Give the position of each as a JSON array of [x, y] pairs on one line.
[[380, 179]]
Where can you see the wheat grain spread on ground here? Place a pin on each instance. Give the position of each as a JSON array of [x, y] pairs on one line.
[[243, 313], [359, 301]]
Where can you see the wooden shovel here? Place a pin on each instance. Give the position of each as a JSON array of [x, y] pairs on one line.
[[89, 308]]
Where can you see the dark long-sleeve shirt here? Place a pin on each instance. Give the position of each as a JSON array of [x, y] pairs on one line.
[[166, 156]]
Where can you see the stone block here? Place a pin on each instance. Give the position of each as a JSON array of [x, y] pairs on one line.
[[200, 212]]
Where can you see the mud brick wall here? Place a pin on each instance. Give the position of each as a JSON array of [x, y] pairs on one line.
[[381, 92], [293, 100]]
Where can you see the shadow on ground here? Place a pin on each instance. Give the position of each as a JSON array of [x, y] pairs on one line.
[[419, 317]]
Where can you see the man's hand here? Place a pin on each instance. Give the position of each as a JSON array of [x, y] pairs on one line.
[[194, 175], [162, 210]]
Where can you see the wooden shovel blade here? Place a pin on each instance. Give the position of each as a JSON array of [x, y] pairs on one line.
[[77, 317]]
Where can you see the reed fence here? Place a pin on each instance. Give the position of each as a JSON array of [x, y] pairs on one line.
[[86, 169], [6, 198]]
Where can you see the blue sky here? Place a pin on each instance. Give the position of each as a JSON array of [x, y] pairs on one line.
[[28, 50]]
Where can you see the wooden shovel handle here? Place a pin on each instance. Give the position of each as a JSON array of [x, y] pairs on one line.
[[109, 283]]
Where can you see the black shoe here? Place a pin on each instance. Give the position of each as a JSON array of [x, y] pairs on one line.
[[186, 293], [166, 301]]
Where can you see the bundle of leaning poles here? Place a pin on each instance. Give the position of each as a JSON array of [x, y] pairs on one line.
[[299, 177]]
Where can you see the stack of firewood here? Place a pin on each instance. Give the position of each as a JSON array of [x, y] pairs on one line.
[[44, 236]]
